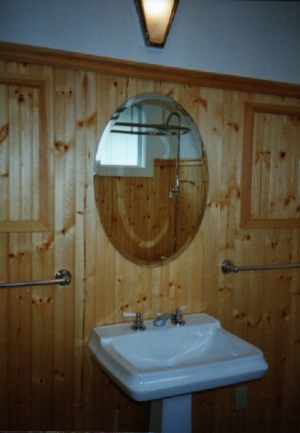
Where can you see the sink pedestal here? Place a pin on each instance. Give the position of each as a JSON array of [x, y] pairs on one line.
[[171, 415]]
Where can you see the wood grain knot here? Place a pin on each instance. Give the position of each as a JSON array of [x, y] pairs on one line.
[[288, 200], [4, 131], [202, 101], [252, 324], [58, 375], [234, 126], [61, 146], [284, 313], [88, 122], [240, 315]]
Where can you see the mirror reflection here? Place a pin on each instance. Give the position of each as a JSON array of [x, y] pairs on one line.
[[150, 179]]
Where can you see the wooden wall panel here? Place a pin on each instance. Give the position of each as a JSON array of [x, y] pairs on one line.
[[24, 171], [271, 197], [47, 379]]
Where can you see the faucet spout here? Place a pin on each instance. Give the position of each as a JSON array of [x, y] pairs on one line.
[[161, 320]]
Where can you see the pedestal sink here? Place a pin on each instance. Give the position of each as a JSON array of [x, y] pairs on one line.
[[166, 365]]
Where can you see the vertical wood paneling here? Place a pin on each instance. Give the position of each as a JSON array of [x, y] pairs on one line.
[[292, 375], [24, 106], [4, 295], [65, 218], [19, 264], [86, 137], [270, 196], [230, 140], [15, 119], [210, 103], [4, 130], [4, 338], [43, 297], [20, 328], [48, 381]]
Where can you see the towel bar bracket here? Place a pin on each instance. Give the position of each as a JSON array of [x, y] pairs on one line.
[[227, 267], [65, 275]]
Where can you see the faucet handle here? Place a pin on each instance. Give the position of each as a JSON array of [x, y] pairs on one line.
[[138, 323], [128, 314], [177, 318]]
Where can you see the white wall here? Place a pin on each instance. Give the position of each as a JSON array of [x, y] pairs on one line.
[[248, 38]]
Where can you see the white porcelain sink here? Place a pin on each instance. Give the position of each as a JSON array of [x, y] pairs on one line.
[[174, 360]]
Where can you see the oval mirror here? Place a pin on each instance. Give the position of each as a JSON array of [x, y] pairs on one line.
[[150, 179]]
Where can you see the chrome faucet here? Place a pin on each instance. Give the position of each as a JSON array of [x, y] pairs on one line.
[[176, 318], [161, 320]]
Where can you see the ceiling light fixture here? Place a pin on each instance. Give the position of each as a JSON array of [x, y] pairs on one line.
[[156, 17]]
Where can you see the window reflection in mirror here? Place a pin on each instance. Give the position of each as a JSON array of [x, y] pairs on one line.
[[124, 149]]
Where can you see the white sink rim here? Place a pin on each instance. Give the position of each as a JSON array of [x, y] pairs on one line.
[[155, 382]]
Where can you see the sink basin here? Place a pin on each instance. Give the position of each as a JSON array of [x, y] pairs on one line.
[[174, 360]]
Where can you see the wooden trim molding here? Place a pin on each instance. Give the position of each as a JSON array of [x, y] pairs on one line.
[[47, 56], [248, 220], [42, 222]]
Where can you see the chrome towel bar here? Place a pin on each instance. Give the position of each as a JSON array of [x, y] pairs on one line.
[[227, 266], [62, 277]]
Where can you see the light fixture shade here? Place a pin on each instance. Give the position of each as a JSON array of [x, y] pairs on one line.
[[156, 17]]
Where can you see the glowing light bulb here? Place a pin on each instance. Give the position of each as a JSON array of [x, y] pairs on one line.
[[157, 16]]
